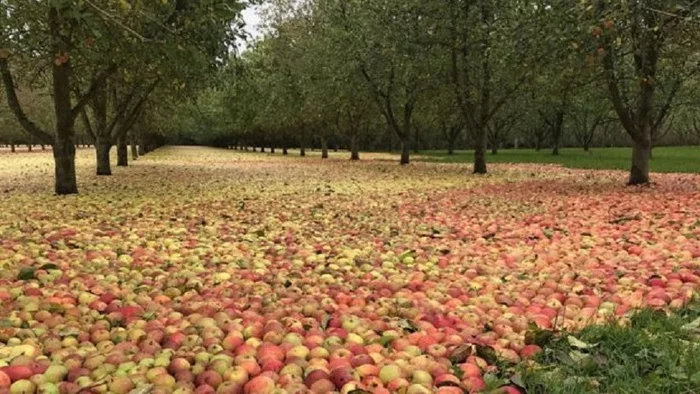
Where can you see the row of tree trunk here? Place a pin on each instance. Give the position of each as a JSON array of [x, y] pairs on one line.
[[354, 148]]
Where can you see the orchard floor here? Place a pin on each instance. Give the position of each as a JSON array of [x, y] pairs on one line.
[[195, 266]]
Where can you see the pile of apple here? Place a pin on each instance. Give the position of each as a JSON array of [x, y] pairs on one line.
[[320, 291]]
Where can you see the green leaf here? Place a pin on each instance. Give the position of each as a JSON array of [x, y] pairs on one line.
[[695, 378], [579, 344], [409, 326], [578, 357], [26, 274]]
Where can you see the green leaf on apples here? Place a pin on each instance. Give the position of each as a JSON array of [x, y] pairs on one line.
[[386, 340], [324, 322], [48, 267], [461, 353], [457, 371], [408, 253], [142, 390], [26, 274], [68, 332], [487, 353], [408, 326]]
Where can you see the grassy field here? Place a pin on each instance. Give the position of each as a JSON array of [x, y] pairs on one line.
[[666, 159], [654, 353]]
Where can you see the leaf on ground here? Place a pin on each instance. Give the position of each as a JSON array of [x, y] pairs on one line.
[[579, 344], [409, 326], [26, 274], [692, 326], [579, 357], [142, 390], [461, 353]]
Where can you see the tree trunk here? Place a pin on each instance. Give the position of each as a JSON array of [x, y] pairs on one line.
[[586, 148], [451, 145], [255, 149], [324, 148], [29, 147], [141, 147], [639, 174], [43, 147], [416, 139], [494, 150], [354, 148], [480, 152], [134, 149], [64, 160], [102, 149], [272, 150], [262, 149], [122, 153], [651, 152], [12, 148], [302, 152], [284, 151], [405, 151]]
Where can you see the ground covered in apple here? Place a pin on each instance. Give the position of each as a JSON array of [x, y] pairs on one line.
[[202, 270]]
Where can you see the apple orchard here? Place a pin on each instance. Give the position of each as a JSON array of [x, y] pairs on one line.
[[208, 271]]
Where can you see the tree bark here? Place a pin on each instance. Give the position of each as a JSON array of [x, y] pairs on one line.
[[43, 147], [639, 174], [416, 139], [102, 153], [272, 150], [12, 148], [324, 148], [302, 151], [405, 151], [557, 129], [354, 148], [134, 150], [262, 149], [494, 150], [122, 152], [284, 151], [480, 152], [64, 160]]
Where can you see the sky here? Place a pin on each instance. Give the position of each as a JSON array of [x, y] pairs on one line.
[[252, 20]]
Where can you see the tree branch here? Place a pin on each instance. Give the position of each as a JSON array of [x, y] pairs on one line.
[[99, 79], [13, 102]]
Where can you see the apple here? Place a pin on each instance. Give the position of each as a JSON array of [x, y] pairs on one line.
[[22, 386], [389, 372], [259, 385]]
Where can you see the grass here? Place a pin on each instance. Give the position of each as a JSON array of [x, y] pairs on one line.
[[655, 353], [666, 159]]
